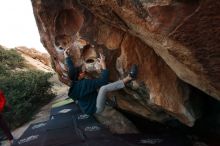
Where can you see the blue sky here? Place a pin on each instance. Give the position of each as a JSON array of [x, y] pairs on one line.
[[18, 26]]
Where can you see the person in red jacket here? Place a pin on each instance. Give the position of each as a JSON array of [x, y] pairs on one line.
[[3, 124]]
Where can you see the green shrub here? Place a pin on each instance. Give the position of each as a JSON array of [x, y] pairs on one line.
[[25, 91], [10, 59]]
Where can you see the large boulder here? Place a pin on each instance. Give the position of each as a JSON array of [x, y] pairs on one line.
[[175, 44]]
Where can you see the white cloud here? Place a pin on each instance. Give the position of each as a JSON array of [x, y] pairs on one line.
[[18, 26]]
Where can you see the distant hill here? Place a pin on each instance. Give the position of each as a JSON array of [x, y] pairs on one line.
[[35, 59]]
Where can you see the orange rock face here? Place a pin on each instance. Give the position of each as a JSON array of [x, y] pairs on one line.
[[172, 42]]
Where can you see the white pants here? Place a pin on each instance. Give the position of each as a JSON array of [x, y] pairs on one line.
[[100, 101]]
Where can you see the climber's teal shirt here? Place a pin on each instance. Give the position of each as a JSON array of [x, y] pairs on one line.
[[85, 90]]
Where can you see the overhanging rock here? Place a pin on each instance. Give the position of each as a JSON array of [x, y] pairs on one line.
[[172, 42]]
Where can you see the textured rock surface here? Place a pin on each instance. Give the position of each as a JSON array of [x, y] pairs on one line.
[[116, 122], [35, 59], [33, 53], [171, 41]]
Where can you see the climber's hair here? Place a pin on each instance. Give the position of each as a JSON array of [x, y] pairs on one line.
[[84, 49]]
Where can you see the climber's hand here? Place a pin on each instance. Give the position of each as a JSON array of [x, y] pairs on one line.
[[66, 53], [102, 61]]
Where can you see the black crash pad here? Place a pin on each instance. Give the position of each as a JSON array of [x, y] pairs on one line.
[[68, 109], [68, 126], [34, 135]]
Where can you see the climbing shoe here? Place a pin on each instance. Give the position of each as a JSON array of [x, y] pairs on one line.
[[133, 72]]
